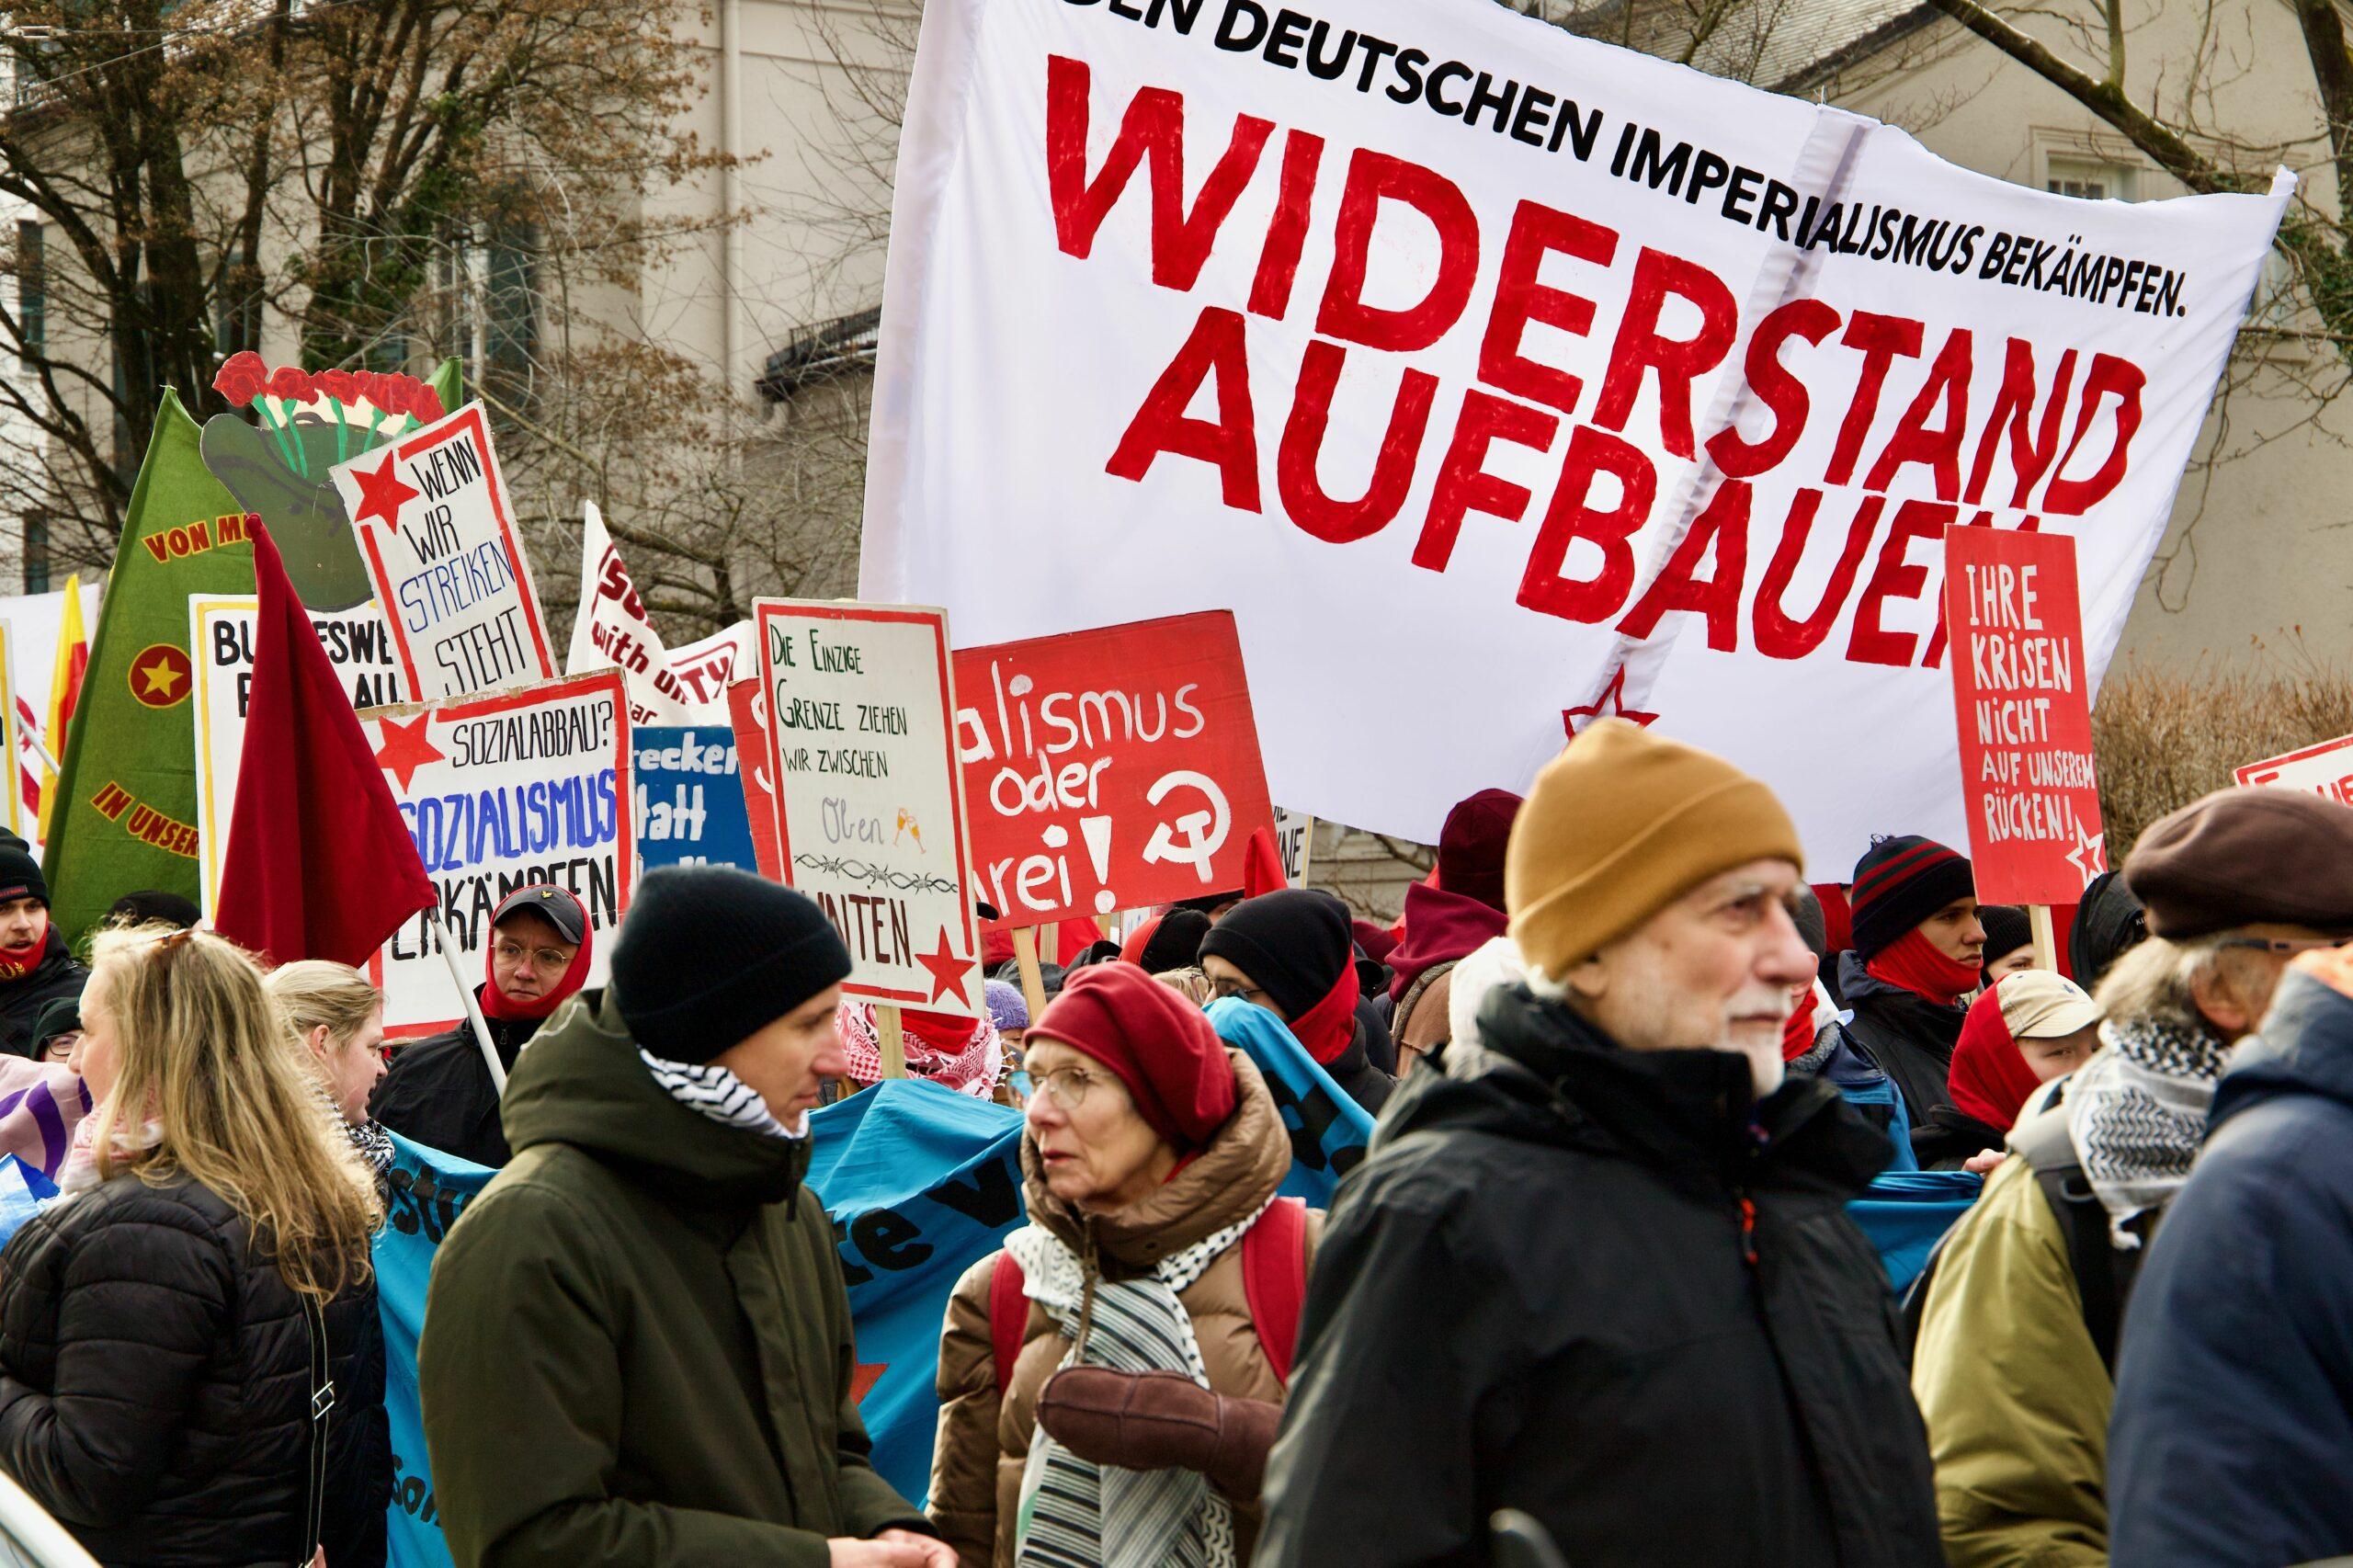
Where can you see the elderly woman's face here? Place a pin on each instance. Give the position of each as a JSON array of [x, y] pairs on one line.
[[1099, 1155]]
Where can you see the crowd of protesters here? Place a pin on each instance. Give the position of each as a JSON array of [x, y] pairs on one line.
[[1597, 1265]]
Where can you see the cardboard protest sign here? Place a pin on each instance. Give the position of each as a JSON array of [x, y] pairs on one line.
[[747, 711], [690, 803], [1295, 842], [1110, 769], [1499, 379], [870, 801], [2019, 690], [611, 630], [434, 526], [501, 792], [2326, 770], [221, 630]]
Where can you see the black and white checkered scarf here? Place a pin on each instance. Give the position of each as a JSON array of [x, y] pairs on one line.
[[2137, 1111]]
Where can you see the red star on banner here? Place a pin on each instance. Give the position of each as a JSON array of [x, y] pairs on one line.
[[948, 969], [382, 492], [862, 1378], [406, 748], [1610, 704]]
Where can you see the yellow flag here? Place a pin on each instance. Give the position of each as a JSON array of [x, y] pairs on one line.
[[65, 691]]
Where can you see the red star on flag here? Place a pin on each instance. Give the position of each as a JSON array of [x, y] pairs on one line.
[[382, 492], [949, 970], [406, 747], [862, 1378], [1610, 704]]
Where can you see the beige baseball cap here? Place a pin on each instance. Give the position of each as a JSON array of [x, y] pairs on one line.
[[2038, 1004]]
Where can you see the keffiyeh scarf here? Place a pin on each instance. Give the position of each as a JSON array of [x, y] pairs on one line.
[[968, 1063], [1075, 1514], [712, 1091], [2137, 1111]]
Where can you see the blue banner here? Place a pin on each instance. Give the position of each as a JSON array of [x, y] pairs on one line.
[[1328, 1129], [921, 1183], [1906, 1213], [428, 1191], [690, 809]]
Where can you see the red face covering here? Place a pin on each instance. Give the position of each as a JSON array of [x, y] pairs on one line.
[[18, 962], [1330, 1027], [1912, 962], [1990, 1079], [1797, 1031], [496, 1004]]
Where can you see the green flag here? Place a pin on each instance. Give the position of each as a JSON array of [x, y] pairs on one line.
[[126, 813]]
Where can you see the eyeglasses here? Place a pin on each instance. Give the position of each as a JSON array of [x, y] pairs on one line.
[[1068, 1085], [1222, 989], [545, 958], [2287, 946]]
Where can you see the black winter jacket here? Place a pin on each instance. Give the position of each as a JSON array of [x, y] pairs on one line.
[[1910, 1038], [1580, 1281], [59, 973], [437, 1092], [155, 1386]]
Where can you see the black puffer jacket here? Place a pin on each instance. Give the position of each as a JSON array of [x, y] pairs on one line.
[[438, 1091], [1546, 1289], [155, 1386], [59, 973]]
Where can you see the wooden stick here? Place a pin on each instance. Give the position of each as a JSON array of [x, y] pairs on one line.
[[890, 1035], [1050, 943], [1033, 980], [473, 1006], [2046, 940]]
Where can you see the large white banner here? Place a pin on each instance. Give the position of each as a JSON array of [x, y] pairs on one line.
[[1497, 379]]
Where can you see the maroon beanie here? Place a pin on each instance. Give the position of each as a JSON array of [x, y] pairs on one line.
[[1156, 1039], [1471, 845]]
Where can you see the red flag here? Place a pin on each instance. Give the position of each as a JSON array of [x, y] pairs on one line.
[[1262, 864], [320, 865]]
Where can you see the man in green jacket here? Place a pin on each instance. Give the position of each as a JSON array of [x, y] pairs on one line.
[[637, 1349]]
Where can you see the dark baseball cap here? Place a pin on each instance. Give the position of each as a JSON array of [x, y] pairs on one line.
[[551, 903]]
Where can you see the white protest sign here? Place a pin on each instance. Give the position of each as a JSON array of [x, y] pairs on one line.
[[1295, 842], [440, 540], [2326, 770], [501, 792], [1517, 377], [870, 796], [221, 633]]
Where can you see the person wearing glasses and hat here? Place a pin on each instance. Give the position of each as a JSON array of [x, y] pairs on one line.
[[438, 1091], [2020, 1319]]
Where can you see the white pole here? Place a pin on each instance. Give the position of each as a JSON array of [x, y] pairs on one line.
[[473, 1006]]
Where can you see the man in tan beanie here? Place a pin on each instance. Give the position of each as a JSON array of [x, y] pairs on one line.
[[1600, 1269]]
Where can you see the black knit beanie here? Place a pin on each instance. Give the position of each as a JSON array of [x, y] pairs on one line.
[[2006, 930], [1294, 945], [19, 872], [1899, 882], [1176, 942], [710, 956]]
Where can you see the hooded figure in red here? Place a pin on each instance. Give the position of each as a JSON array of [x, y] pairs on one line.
[[1450, 919], [1293, 953], [438, 1091]]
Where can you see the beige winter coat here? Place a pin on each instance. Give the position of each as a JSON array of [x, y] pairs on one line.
[[984, 1440]]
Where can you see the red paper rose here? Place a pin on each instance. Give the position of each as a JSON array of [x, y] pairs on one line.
[[291, 382], [242, 378], [336, 384]]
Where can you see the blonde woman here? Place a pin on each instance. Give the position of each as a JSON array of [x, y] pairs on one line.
[[339, 1018], [166, 1332]]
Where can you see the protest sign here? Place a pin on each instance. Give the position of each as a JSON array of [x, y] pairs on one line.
[[690, 802], [1295, 842], [869, 801], [221, 630], [1504, 379], [2019, 694], [425, 1192], [431, 516], [2326, 770], [747, 716], [501, 792], [921, 1183], [611, 630], [11, 770], [1108, 769]]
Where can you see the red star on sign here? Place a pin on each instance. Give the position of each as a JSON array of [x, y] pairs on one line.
[[1610, 704], [948, 969], [382, 492], [862, 1378], [406, 748]]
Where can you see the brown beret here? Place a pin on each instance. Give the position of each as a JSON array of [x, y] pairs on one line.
[[2245, 857]]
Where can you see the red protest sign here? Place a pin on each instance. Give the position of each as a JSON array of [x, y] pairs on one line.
[[1110, 769], [2025, 715], [748, 713]]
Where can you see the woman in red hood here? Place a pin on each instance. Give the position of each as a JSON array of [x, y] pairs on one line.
[[438, 1091], [1449, 917]]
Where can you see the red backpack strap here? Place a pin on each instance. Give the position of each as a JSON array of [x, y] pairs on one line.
[[1274, 1278], [1008, 1316]]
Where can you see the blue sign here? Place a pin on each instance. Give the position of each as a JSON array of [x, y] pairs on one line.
[[690, 809], [1328, 1129]]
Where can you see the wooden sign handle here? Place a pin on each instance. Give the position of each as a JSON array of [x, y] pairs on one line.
[[891, 1037], [1033, 982], [2046, 940]]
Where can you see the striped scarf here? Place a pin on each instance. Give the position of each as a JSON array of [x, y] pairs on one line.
[[712, 1091], [1074, 1514]]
